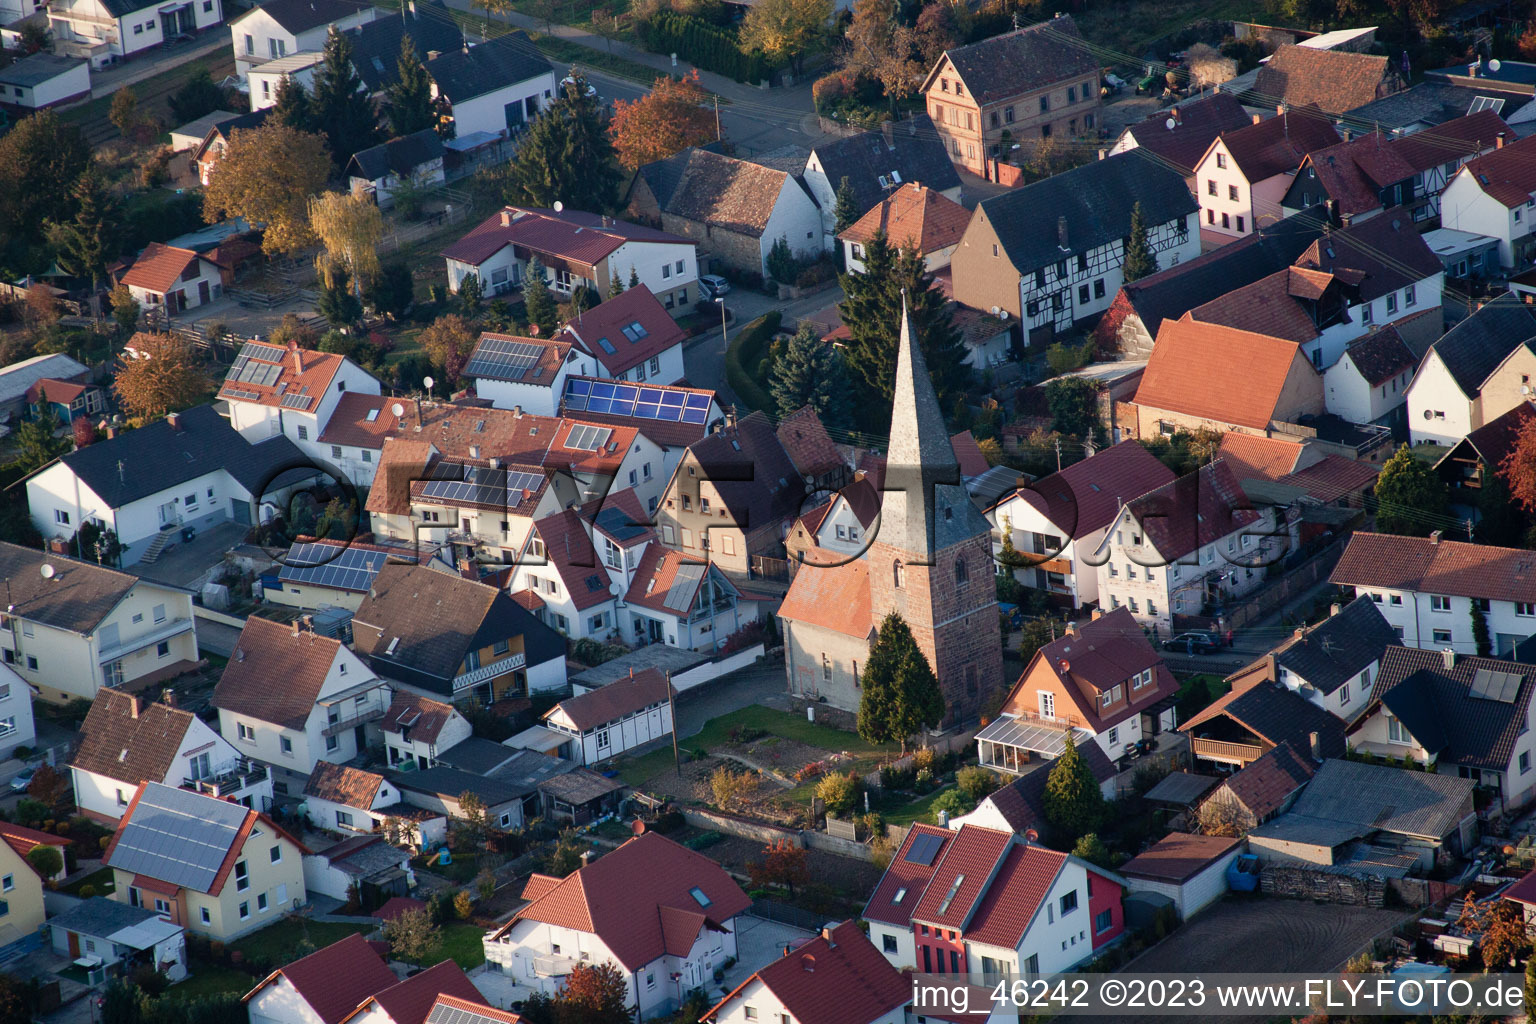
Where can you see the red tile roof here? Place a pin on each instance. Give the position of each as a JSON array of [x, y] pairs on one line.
[[1382, 355], [1013, 898], [1195, 510], [1277, 145], [343, 784], [906, 879], [968, 454], [528, 599], [1508, 175], [666, 433], [1103, 653], [1197, 124], [1086, 495], [1264, 785], [61, 392], [423, 716], [476, 1011], [1452, 140], [1251, 457], [159, 267], [1270, 306], [409, 1001], [837, 977], [1333, 477], [334, 980], [24, 840], [1523, 891], [607, 321], [397, 905], [129, 738], [808, 444], [1355, 172], [613, 701], [350, 423], [913, 216], [961, 876], [582, 238], [620, 898], [655, 576], [1178, 857], [1253, 369], [569, 549], [276, 672], [302, 372], [1335, 80], [832, 596], [1433, 566]]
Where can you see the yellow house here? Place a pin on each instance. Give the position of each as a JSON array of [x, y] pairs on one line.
[[226, 871], [21, 898]]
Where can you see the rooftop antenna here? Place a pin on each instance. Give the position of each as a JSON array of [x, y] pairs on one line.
[[120, 471]]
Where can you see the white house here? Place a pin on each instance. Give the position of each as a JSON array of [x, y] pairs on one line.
[[1059, 518], [264, 80], [683, 601], [44, 80], [99, 28], [526, 374], [284, 27], [403, 1003], [415, 159], [275, 390], [1431, 590], [876, 164], [1334, 664], [660, 913], [497, 87], [321, 988], [1188, 869], [347, 799], [1244, 175], [629, 337], [1495, 195], [1369, 382], [578, 591], [1437, 152], [16, 724], [415, 728], [847, 971], [1479, 370], [72, 627], [616, 717], [845, 524], [913, 216], [364, 866], [111, 933], [126, 739], [178, 279], [291, 698]]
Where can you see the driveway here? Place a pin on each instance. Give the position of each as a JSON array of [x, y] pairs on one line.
[[184, 562]]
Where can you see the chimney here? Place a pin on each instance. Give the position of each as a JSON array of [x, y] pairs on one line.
[[786, 949], [298, 356], [1061, 231], [133, 705], [1472, 69], [1257, 118], [1448, 658], [295, 631], [1317, 746], [1270, 670], [1334, 609], [506, 215], [943, 815], [174, 419], [1498, 141], [517, 412], [1300, 632], [826, 933], [586, 857], [1097, 614], [1071, 629], [111, 433], [411, 6], [168, 697], [1434, 537]]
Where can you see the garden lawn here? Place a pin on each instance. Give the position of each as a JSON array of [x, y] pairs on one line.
[[462, 944], [919, 810], [1216, 686], [209, 979], [276, 942], [101, 879]]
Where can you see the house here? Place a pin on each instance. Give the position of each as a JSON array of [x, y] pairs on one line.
[[1334, 663], [1052, 274], [1102, 680], [735, 210], [17, 728], [455, 638], [127, 739], [815, 456], [1437, 153], [1371, 818], [522, 373], [346, 798], [1359, 177], [1182, 133], [1309, 473], [1019, 805], [333, 574], [1196, 540], [1260, 789], [1249, 721], [876, 164], [1464, 254], [416, 160], [497, 86], [629, 336], [264, 81], [849, 983], [1464, 467], [292, 698], [611, 719], [73, 627], [1307, 307], [1369, 382], [670, 417], [686, 601], [409, 1001], [322, 987], [376, 44], [1491, 195], [274, 390], [365, 867], [177, 279], [119, 938], [45, 80], [65, 400], [1188, 869], [662, 914], [731, 497], [18, 379], [508, 804], [911, 216], [575, 249], [283, 27], [991, 904], [1335, 81], [1035, 82], [119, 28], [415, 728], [1432, 591], [1436, 101], [453, 1010], [1245, 174], [580, 797], [21, 895], [214, 867], [843, 525], [578, 593], [1474, 373], [1055, 520], [214, 144]]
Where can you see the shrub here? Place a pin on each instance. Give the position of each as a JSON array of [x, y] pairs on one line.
[[87, 891], [953, 802], [747, 349], [669, 821], [463, 903], [698, 42], [976, 782], [924, 757], [838, 792]]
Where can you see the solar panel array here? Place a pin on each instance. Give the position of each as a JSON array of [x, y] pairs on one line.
[[177, 836], [502, 359], [923, 849], [442, 1013], [1492, 684], [587, 438], [648, 403], [257, 363], [301, 402], [1480, 103], [501, 488], [246, 393], [323, 565]]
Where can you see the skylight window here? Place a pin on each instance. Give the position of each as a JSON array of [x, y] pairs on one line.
[[699, 897], [373, 414], [608, 346], [949, 897], [901, 894]]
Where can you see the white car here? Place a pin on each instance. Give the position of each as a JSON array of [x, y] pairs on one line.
[[714, 285]]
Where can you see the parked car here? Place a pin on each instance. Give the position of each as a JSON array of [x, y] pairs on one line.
[[1192, 643], [713, 285], [1013, 613], [20, 783]]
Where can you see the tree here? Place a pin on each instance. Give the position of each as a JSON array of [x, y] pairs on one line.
[[900, 693], [125, 310], [1140, 261], [580, 301], [41, 158], [878, 45], [846, 210], [1074, 805], [872, 313], [16, 998], [1035, 635], [167, 378], [90, 240], [391, 290], [783, 863], [538, 304], [1500, 520], [1410, 498], [448, 341], [615, 286], [469, 295], [49, 786], [1518, 467], [335, 300], [975, 782], [47, 860], [594, 994], [343, 112], [838, 792], [124, 112], [197, 98], [1074, 405], [1500, 926], [473, 821], [1091, 849], [669, 119], [123, 1002], [349, 226], [936, 30], [498, 9], [412, 935], [408, 100], [1530, 990], [566, 856], [291, 106], [810, 373], [267, 175], [730, 787], [787, 31], [35, 444], [84, 431], [950, 804], [566, 156], [1062, 358]]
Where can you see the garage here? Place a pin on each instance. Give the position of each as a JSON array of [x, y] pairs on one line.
[[1188, 869]]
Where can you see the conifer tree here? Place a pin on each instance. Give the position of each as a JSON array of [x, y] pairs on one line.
[[1139, 259], [1074, 804], [538, 304], [343, 112], [615, 285], [91, 239], [566, 156], [292, 105], [899, 693], [409, 98], [810, 372]]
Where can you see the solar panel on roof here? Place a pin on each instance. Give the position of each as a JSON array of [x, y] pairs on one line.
[[324, 566], [640, 401], [178, 837], [1495, 684], [1480, 103], [923, 849], [246, 393], [442, 1013], [499, 488], [502, 359], [587, 438], [301, 402]]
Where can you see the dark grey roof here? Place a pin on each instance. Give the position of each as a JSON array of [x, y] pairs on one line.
[[177, 836], [1340, 648], [376, 45], [1412, 702], [464, 74], [402, 156], [1024, 60], [442, 781], [142, 462], [1375, 797], [658, 656], [1474, 348], [37, 69], [911, 148], [76, 596], [1441, 708], [1181, 788], [1096, 201], [528, 768], [302, 15], [100, 917], [119, 8], [1429, 103], [480, 756]]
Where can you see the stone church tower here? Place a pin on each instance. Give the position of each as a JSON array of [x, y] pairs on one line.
[[931, 561]]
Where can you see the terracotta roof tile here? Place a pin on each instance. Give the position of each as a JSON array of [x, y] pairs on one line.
[[275, 674], [1335, 80], [1382, 254], [1197, 509], [528, 599], [1251, 457], [423, 716], [960, 877], [1355, 172], [1269, 306], [1197, 124], [1276, 146], [1433, 566], [128, 739], [837, 977], [606, 322], [24, 840], [1333, 477], [833, 597], [60, 391], [1014, 896], [1087, 495], [582, 238], [334, 980], [666, 580], [364, 421], [543, 372], [1178, 857], [806, 441], [968, 454], [913, 216], [902, 886], [1188, 354], [1452, 140], [619, 699], [1508, 175], [1381, 355], [299, 373], [159, 267], [1264, 785], [339, 783], [409, 1001], [468, 1011], [1103, 653]]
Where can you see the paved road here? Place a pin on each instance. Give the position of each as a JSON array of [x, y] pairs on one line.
[[704, 356]]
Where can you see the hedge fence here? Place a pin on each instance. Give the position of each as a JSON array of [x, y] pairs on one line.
[[709, 46]]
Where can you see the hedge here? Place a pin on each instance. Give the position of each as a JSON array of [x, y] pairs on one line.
[[745, 350], [698, 42]]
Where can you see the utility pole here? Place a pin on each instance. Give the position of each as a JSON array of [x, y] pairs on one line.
[[717, 117], [677, 758], [1058, 453]]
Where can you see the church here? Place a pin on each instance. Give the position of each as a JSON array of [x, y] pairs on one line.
[[929, 560]]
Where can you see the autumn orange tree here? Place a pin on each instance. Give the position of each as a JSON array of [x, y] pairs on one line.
[[1518, 467], [783, 863], [161, 374], [267, 176], [448, 342], [594, 994], [668, 120], [1500, 928]]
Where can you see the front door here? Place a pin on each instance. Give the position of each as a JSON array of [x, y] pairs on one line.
[[202, 292], [167, 514], [168, 29], [74, 946]]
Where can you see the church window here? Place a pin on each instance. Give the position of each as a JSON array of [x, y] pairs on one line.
[[898, 576], [960, 572]]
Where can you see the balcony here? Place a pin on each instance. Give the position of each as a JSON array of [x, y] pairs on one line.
[[1221, 750], [491, 671], [352, 721], [554, 966], [63, 12], [242, 776], [162, 631]]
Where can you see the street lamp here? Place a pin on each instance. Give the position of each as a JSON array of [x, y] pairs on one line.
[[720, 299]]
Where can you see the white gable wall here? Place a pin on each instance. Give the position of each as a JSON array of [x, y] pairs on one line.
[[1438, 411]]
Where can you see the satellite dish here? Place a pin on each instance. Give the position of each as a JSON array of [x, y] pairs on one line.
[[559, 206], [397, 409], [47, 571], [1171, 123], [427, 383], [1494, 65]]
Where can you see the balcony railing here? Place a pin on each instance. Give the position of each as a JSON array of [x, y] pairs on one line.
[[554, 966], [245, 774], [490, 671], [1059, 721], [162, 631], [352, 721], [63, 12], [1221, 750]]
